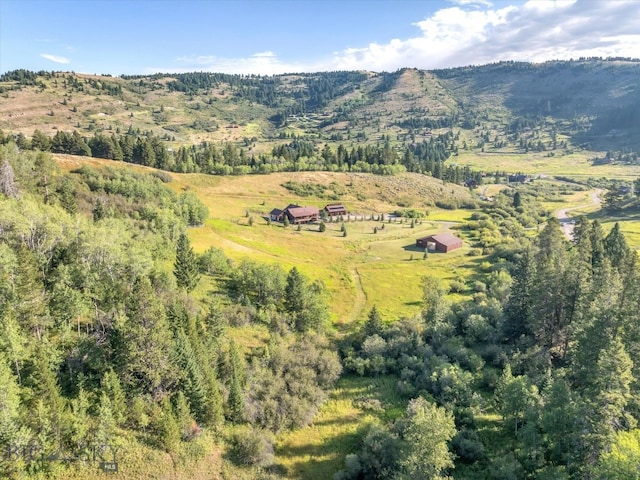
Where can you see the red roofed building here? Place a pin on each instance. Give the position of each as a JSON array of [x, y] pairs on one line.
[[335, 209], [302, 214], [442, 242]]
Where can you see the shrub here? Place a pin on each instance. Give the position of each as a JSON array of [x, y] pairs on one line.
[[251, 446], [457, 286], [468, 446]]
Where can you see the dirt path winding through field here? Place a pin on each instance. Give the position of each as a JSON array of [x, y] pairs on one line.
[[566, 222], [360, 299]]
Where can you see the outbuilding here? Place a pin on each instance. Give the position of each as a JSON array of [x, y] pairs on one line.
[[442, 242], [335, 210]]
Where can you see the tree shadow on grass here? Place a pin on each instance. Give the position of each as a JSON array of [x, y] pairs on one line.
[[413, 248]]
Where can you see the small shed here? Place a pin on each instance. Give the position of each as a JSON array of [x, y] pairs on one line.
[[442, 242], [335, 209], [276, 215]]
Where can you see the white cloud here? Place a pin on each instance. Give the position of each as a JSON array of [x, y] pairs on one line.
[[473, 32], [55, 58], [535, 31], [471, 2], [263, 63]]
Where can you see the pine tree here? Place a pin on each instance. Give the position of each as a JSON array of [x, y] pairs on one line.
[[192, 378], [143, 344], [236, 397], [373, 325], [608, 398], [9, 407], [295, 292], [186, 268], [168, 428], [98, 210], [615, 247], [519, 308], [112, 388], [517, 201]]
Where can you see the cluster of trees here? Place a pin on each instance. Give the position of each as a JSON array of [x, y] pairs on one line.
[[100, 337], [559, 320], [228, 159]]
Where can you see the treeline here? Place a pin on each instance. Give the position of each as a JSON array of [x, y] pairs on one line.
[[426, 157], [548, 340], [102, 342]]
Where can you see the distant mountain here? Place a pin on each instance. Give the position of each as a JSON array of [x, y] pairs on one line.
[[507, 106]]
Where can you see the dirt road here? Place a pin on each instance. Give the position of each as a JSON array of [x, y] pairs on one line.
[[567, 223]]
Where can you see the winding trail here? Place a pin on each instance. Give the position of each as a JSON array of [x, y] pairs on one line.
[[361, 296], [566, 222]]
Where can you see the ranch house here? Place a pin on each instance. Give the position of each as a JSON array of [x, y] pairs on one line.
[[295, 214]]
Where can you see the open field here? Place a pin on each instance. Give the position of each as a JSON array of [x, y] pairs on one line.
[[578, 164]]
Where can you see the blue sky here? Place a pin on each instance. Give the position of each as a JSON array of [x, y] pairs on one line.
[[278, 36]]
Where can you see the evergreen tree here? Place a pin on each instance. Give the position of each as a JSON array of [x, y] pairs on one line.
[[192, 378], [9, 410], [112, 388], [67, 195], [597, 244], [98, 210], [373, 325], [142, 341], [185, 422], [608, 399], [615, 247], [295, 292], [186, 268], [517, 200], [519, 309], [168, 428], [559, 422], [236, 397]]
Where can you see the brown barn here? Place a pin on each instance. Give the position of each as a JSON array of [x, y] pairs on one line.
[[302, 214], [442, 242], [335, 209]]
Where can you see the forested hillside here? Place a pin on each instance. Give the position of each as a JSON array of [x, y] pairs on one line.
[[156, 320], [104, 350], [341, 121]]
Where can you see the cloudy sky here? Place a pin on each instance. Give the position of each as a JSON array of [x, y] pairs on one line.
[[278, 36]]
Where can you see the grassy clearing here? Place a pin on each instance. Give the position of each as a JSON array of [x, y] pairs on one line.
[[318, 451], [329, 256], [578, 164]]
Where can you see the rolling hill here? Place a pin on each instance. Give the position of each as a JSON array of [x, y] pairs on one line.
[[591, 103]]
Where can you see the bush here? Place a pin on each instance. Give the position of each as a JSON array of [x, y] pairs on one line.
[[468, 446], [457, 286], [447, 204], [251, 446]]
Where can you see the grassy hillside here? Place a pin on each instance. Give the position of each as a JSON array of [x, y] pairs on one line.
[[376, 268], [590, 103]]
